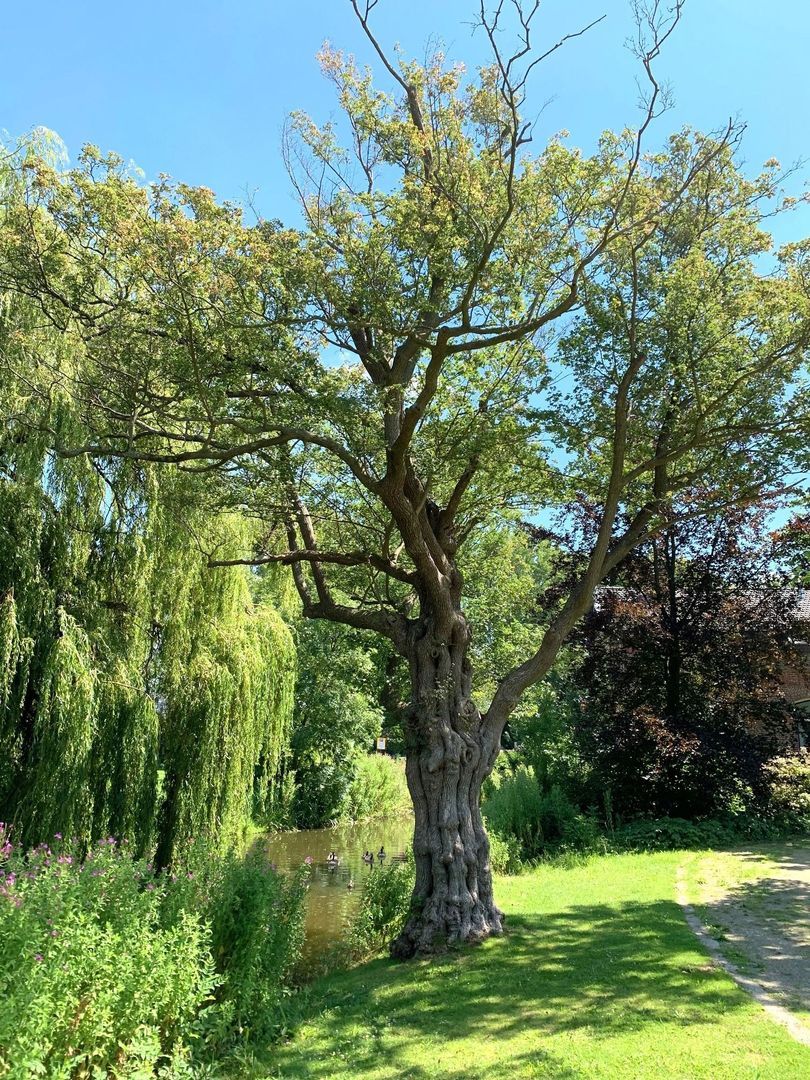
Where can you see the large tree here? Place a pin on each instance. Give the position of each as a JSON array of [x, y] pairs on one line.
[[461, 328], [681, 700]]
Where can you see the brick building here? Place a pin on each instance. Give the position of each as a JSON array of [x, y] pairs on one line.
[[796, 676]]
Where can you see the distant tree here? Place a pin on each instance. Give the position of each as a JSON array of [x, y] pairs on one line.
[[681, 701], [338, 713], [462, 328], [792, 548]]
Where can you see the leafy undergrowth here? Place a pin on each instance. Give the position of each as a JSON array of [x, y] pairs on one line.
[[599, 976], [110, 968]]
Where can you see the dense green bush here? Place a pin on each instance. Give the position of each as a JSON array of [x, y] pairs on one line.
[[517, 809], [789, 784], [384, 906], [109, 968], [95, 977], [512, 808], [378, 788], [504, 854], [257, 931], [672, 834]]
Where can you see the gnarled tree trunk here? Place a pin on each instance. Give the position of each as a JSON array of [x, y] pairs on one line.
[[450, 752]]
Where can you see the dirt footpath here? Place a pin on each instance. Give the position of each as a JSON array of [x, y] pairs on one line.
[[755, 904]]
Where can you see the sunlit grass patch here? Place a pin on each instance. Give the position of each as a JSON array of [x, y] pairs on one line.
[[598, 976]]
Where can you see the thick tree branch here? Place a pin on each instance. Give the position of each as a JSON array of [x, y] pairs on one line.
[[336, 558]]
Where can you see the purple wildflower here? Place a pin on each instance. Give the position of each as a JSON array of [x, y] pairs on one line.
[[39, 957]]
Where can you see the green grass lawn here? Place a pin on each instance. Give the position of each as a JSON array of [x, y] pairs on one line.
[[598, 976]]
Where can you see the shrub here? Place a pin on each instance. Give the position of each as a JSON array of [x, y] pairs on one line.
[[384, 906], [353, 788], [513, 807], [516, 809], [93, 977], [256, 921], [789, 784], [257, 927], [378, 787], [504, 854], [109, 967], [672, 834]]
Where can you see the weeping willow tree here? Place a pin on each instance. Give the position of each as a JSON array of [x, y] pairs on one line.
[[142, 694]]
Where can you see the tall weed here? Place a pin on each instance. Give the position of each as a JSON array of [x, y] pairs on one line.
[[384, 906], [94, 978], [108, 967]]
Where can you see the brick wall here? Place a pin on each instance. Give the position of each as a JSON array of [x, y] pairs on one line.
[[796, 676]]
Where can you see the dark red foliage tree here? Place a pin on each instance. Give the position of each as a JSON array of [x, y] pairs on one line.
[[682, 668]]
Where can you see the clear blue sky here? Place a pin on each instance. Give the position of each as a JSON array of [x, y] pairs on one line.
[[200, 89]]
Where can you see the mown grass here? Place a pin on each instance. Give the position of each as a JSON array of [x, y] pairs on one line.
[[598, 976]]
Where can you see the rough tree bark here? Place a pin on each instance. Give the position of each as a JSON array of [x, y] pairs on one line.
[[450, 752]]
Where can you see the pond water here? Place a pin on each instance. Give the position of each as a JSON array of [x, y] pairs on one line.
[[329, 900]]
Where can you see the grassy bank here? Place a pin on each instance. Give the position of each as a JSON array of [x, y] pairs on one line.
[[599, 976]]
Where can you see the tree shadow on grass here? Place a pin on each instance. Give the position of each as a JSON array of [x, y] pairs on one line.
[[764, 926], [790, 857], [607, 969]]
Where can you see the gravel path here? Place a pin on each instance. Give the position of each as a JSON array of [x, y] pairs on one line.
[[759, 931]]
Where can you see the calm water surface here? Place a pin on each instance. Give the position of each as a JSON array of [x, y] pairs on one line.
[[329, 900]]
